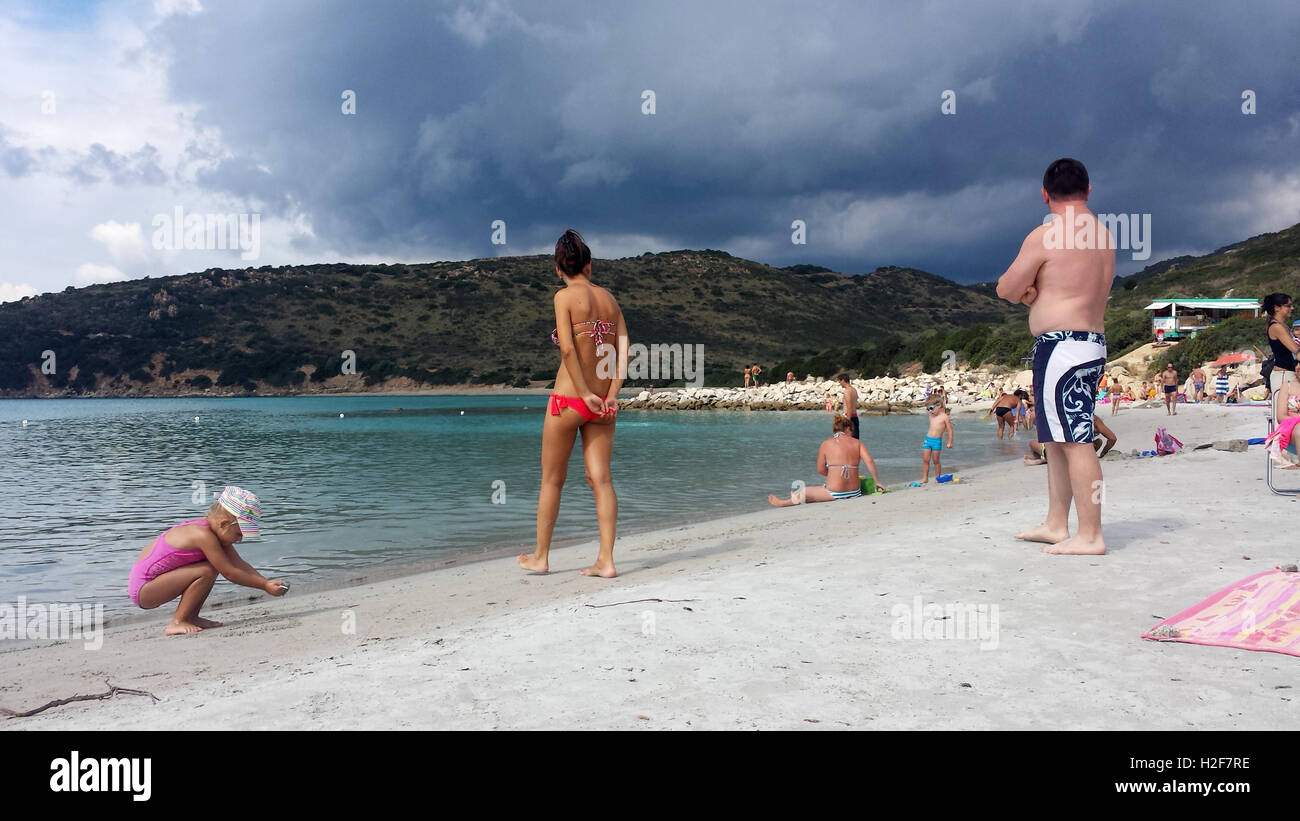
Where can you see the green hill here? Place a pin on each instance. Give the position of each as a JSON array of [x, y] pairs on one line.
[[1246, 270], [487, 321]]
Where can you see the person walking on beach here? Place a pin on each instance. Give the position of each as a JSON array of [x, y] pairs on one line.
[[585, 400], [1169, 379], [940, 423], [850, 404], [1005, 408], [1065, 285], [837, 459], [1198, 384], [185, 560]]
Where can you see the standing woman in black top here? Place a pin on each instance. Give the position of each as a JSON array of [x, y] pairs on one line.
[[1278, 308]]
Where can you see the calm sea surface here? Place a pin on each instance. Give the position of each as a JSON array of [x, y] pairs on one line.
[[87, 483]]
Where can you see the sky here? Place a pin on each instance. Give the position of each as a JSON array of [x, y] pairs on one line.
[[911, 134]]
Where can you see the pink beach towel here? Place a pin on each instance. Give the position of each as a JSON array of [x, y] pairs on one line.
[[1261, 612], [1166, 443]]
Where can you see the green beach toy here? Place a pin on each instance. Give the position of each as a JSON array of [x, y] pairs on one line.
[[868, 485]]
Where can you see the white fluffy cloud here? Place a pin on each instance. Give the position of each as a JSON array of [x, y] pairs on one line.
[[124, 242], [14, 291], [92, 274]]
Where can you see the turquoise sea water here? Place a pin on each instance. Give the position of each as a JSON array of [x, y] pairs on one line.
[[87, 483]]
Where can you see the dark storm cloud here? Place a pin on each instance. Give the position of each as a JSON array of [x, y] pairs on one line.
[[766, 113]]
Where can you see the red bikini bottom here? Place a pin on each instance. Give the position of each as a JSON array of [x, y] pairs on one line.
[[559, 402]]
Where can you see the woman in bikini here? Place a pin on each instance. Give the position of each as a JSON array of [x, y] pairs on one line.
[[590, 332], [185, 560], [837, 460]]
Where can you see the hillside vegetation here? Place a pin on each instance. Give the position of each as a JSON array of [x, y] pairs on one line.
[[485, 321]]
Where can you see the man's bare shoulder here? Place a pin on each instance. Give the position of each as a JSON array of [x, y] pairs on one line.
[[1036, 239]]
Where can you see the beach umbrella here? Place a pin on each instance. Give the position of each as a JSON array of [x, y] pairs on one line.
[[1233, 359]]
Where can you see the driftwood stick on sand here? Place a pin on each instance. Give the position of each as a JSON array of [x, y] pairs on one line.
[[637, 601], [112, 691]]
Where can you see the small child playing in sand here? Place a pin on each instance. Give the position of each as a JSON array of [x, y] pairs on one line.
[[940, 422], [185, 560]]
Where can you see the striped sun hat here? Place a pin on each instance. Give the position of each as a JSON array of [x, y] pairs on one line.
[[244, 506]]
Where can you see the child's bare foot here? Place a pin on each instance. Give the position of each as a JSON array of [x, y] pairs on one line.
[[1043, 533], [534, 564], [205, 623], [177, 628], [1074, 546], [605, 571]]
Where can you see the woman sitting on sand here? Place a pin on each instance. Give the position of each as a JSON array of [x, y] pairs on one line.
[[185, 560], [589, 328], [837, 460]]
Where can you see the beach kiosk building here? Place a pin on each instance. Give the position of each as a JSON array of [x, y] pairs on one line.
[[1181, 318]]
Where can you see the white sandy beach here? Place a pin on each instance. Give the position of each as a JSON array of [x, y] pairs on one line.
[[781, 620]]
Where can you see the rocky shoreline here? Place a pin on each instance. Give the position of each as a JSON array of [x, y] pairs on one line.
[[967, 390]]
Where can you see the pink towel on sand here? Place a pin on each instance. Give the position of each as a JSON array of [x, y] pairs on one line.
[[1261, 612]]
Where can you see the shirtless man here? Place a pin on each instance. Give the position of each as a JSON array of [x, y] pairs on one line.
[[1198, 384], [1169, 379], [850, 404], [1065, 281], [1005, 407], [940, 423]]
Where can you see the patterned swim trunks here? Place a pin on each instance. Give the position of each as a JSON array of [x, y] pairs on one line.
[[1067, 367]]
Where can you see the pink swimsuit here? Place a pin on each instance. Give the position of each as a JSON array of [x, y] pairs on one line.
[[160, 559]]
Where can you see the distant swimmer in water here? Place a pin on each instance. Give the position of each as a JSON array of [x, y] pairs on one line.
[[186, 558], [589, 327], [837, 459]]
